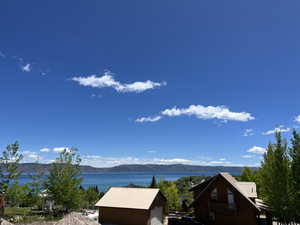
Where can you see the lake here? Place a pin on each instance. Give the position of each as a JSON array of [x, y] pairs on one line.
[[106, 180]]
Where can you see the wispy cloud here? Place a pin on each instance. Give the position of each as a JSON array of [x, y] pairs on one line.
[[30, 156], [202, 112], [256, 150], [107, 161], [61, 149], [219, 162], [209, 112], [148, 119], [26, 67], [45, 150], [248, 132], [297, 119], [248, 156], [280, 128], [97, 160], [107, 80]]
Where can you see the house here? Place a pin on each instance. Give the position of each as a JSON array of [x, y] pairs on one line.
[[132, 206], [222, 200]]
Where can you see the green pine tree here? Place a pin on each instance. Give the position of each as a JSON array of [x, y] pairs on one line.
[[295, 176], [274, 178], [153, 183]]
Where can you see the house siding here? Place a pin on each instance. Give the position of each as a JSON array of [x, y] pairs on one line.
[[121, 216], [243, 214]]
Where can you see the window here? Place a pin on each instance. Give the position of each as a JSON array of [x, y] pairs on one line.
[[230, 197], [214, 194]]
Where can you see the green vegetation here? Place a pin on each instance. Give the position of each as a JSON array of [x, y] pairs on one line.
[[27, 203], [63, 181], [184, 184], [17, 211], [170, 191], [278, 178], [90, 196], [278, 183], [9, 162], [153, 183]]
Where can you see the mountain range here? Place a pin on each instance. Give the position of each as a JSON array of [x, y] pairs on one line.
[[174, 168]]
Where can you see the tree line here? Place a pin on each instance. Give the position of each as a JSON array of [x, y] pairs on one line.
[[278, 178]]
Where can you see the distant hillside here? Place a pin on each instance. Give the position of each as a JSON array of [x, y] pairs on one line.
[[175, 168]]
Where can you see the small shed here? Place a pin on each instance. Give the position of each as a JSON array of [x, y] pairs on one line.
[[132, 206]]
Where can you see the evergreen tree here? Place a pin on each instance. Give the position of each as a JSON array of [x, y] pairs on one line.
[[97, 190], [274, 179], [295, 175], [91, 196], [247, 174], [153, 183], [63, 181]]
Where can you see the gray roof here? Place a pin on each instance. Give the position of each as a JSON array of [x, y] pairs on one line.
[[130, 198], [248, 188]]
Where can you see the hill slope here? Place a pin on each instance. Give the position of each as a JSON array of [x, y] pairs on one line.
[[174, 168]]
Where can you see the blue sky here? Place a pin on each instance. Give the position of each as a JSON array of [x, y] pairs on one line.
[[197, 82]]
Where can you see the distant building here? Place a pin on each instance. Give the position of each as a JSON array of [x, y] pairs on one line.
[[132, 206], [222, 200]]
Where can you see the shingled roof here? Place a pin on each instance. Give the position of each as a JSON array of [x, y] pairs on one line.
[[130, 198]]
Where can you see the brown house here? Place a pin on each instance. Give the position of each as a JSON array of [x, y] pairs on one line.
[[132, 206], [222, 200]]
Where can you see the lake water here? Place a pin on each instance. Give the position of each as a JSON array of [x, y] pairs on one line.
[[106, 180]]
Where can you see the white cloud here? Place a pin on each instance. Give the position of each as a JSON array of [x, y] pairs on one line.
[[222, 159], [45, 150], [219, 162], [148, 119], [280, 128], [30, 156], [102, 161], [61, 149], [209, 112], [107, 80], [176, 160], [248, 132], [297, 119], [26, 68], [248, 156], [257, 150]]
